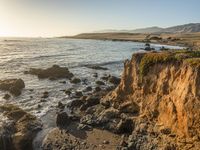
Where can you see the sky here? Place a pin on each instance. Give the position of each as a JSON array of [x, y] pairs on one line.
[[49, 18]]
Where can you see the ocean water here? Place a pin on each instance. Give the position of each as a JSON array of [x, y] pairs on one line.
[[19, 54]]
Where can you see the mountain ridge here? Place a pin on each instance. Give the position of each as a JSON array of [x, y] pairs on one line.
[[185, 28]]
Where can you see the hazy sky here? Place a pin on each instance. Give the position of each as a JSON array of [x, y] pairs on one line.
[[67, 17]]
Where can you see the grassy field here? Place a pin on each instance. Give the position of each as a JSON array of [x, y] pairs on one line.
[[191, 40]]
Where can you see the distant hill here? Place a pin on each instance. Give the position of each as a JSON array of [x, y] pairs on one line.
[[186, 28]]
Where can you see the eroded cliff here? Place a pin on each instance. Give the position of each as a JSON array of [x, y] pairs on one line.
[[165, 87]]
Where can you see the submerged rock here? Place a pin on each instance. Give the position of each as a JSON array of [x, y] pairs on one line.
[[100, 83], [14, 86], [96, 67], [53, 72], [75, 80]]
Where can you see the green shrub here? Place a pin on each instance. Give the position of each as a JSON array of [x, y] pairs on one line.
[[149, 59]]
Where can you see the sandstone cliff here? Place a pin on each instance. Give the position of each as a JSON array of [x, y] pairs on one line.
[[164, 87]]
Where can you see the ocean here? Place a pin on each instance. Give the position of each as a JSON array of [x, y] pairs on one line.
[[19, 54]]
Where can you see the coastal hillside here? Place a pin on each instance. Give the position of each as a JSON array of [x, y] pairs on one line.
[[163, 89], [185, 28]]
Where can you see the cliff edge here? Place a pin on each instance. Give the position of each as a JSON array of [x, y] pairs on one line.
[[164, 88]]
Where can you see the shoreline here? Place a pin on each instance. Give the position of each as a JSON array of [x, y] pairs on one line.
[[188, 40]]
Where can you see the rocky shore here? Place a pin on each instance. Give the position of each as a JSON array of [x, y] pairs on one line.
[[155, 105]]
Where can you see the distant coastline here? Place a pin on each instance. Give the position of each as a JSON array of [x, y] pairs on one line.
[[190, 40]]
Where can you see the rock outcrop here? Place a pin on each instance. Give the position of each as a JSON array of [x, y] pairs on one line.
[[161, 91], [14, 86], [19, 132], [52, 73]]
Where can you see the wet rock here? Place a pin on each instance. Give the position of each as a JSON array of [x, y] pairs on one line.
[[125, 126], [76, 103], [68, 91], [25, 126], [53, 72], [105, 77], [114, 80], [75, 80], [78, 94], [61, 105], [6, 96], [96, 67], [97, 89], [62, 119], [45, 94], [63, 82], [14, 86], [90, 101], [95, 75], [88, 89], [100, 83]]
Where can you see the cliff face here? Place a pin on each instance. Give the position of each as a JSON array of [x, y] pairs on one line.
[[168, 93]]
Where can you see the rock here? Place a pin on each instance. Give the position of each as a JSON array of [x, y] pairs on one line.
[[106, 142], [105, 77], [78, 94], [90, 101], [87, 89], [106, 103], [53, 72], [62, 119], [84, 127], [68, 91], [107, 115], [129, 107], [123, 143], [23, 129], [165, 131], [100, 82], [114, 80], [96, 67], [14, 86], [75, 80], [61, 105], [125, 126], [63, 82], [95, 75], [45, 94], [76, 103], [6, 96], [97, 89]]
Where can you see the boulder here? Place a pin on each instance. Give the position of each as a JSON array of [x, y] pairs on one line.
[[90, 101], [125, 126], [6, 96], [88, 89], [97, 89], [75, 80], [53, 72], [129, 107], [62, 119], [100, 83], [96, 67], [22, 129], [114, 80], [14, 86]]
